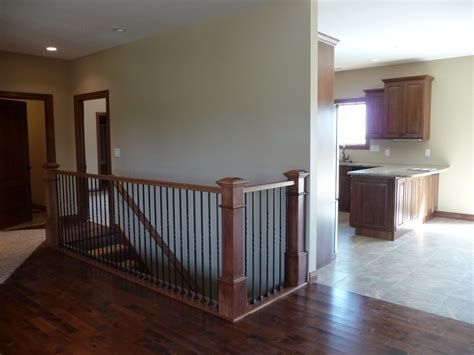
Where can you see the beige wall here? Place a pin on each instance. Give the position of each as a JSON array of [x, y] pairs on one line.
[[44, 76], [452, 125], [226, 97], [91, 107]]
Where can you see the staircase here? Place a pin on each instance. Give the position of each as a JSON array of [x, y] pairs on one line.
[[108, 244]]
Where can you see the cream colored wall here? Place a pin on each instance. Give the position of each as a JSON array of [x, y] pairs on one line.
[[91, 107], [452, 125], [225, 97], [32, 74]]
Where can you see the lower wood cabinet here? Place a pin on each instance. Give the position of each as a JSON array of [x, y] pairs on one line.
[[387, 207]]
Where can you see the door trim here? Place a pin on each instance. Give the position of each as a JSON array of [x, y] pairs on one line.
[[98, 116], [48, 117], [79, 125]]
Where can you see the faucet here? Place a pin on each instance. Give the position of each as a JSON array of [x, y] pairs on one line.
[[345, 157]]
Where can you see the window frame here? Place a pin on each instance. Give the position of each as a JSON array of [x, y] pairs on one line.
[[355, 100]]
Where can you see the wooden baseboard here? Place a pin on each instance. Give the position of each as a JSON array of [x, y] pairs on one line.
[[454, 215]]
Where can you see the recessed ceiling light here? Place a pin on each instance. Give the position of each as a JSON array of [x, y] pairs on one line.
[[119, 29], [51, 49], [374, 60]]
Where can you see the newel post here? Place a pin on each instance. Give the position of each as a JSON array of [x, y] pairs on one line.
[[233, 282], [296, 256], [50, 178]]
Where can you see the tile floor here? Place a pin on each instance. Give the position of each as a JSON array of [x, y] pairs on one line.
[[430, 268]]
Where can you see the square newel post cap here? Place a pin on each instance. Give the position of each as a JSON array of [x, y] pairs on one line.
[[50, 166], [296, 174], [232, 182]]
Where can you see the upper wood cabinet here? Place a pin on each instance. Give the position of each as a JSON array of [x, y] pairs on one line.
[[374, 101], [407, 103]]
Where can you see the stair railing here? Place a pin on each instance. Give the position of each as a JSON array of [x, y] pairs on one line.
[[229, 249]]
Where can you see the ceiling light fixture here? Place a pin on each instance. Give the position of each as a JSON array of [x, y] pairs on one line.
[[374, 60], [51, 49], [119, 29]]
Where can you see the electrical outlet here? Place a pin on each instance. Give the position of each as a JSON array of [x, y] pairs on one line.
[[427, 152], [374, 148], [387, 152], [117, 152]]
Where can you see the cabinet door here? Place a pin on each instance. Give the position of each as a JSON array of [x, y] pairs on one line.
[[375, 114], [413, 108], [393, 109]]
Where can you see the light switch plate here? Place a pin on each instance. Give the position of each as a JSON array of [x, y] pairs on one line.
[[374, 147], [387, 152], [427, 152], [117, 152]]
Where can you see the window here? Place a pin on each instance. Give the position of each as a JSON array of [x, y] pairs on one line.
[[351, 123]]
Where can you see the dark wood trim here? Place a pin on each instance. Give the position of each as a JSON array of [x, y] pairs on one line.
[[232, 282], [48, 116], [296, 255], [270, 186], [79, 124], [322, 37], [177, 185], [98, 116], [406, 78], [454, 215], [38, 207]]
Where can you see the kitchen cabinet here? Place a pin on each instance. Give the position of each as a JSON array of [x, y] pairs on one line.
[[374, 101], [344, 189], [407, 107], [387, 207]]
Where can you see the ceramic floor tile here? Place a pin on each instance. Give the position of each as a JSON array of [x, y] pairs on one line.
[[457, 308], [329, 276], [438, 285], [367, 285], [410, 297]]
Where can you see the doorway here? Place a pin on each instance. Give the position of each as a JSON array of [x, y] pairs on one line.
[[26, 143], [103, 146]]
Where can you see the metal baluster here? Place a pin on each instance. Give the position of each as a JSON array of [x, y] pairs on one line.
[[58, 209], [90, 245], [245, 234], [260, 245], [98, 239], [273, 244], [187, 243], [267, 246], [210, 246], [134, 231], [175, 288], [69, 210], [253, 249], [280, 254], [141, 252], [168, 236], [155, 214], [63, 210], [163, 283], [181, 238], [218, 240], [150, 273], [203, 299], [196, 297]]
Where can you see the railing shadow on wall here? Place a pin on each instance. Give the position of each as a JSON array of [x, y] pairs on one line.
[[229, 249]]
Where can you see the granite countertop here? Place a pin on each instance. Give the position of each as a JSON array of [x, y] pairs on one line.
[[399, 170], [350, 163]]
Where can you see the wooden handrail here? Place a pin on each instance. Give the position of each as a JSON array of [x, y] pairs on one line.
[[154, 234], [269, 186], [170, 184]]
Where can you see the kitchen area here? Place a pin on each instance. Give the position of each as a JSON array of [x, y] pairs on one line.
[[394, 239]]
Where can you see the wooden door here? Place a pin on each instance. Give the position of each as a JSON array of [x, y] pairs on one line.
[[413, 108], [374, 101], [393, 99], [15, 184]]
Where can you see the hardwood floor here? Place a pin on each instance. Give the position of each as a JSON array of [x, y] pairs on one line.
[[55, 304]]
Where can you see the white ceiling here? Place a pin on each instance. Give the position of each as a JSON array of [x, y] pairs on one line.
[[397, 31], [81, 27]]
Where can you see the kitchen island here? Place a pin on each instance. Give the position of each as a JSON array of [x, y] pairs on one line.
[[388, 200]]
